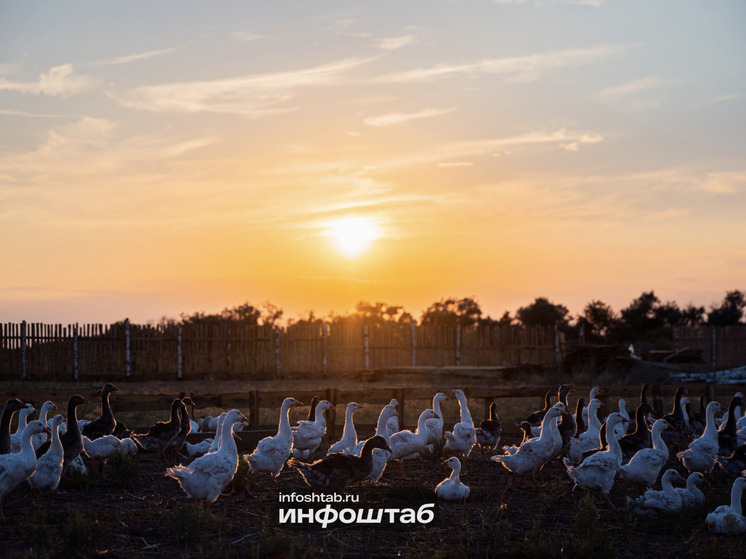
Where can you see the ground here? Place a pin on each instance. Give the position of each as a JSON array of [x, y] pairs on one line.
[[135, 511]]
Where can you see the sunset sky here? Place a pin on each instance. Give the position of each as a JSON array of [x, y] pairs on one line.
[[160, 157]]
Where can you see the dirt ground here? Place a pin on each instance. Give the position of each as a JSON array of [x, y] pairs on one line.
[[135, 511]]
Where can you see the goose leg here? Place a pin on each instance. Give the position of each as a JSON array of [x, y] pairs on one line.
[[401, 470]]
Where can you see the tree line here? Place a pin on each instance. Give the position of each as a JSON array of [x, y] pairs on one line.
[[647, 319]]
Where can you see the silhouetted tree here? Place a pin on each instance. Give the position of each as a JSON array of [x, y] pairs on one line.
[[730, 311], [692, 316], [543, 313], [597, 319], [381, 313], [246, 313], [452, 311]]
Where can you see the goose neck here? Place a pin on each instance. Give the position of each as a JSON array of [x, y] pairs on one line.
[[710, 426], [735, 495], [284, 427]]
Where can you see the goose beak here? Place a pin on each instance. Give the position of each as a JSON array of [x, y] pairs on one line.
[[297, 402]]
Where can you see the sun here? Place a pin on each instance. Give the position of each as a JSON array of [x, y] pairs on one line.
[[353, 235]]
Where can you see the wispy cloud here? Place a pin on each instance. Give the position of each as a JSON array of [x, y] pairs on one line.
[[396, 43], [132, 57], [400, 118], [246, 36], [523, 68], [25, 114], [631, 88], [253, 95], [724, 183], [59, 81]]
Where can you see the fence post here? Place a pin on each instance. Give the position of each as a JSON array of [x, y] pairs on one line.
[[325, 344], [414, 344], [23, 350], [228, 352], [179, 355], [714, 347], [75, 353], [277, 351], [127, 347], [367, 349], [458, 345]]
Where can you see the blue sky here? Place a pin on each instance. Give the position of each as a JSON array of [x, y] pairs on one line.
[[167, 157]]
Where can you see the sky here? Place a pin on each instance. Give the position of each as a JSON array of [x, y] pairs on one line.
[[168, 157]]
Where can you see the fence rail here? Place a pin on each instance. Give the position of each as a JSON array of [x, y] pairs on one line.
[[31, 351]]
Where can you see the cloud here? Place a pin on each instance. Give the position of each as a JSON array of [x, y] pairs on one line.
[[455, 164], [132, 57], [523, 68], [396, 43], [253, 95], [724, 183], [399, 118], [631, 88], [59, 81], [246, 36]]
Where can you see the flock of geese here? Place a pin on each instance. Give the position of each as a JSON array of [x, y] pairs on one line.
[[629, 445]]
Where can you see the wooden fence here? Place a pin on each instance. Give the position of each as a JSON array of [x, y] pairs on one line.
[[721, 347], [237, 352]]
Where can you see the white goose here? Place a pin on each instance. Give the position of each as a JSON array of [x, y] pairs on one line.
[[307, 435], [99, 450], [591, 397], [392, 426], [452, 488], [49, 465], [17, 467], [206, 477], [435, 424], [729, 519], [691, 495], [532, 454], [380, 456], [272, 452], [621, 428], [646, 464], [668, 499], [588, 439], [464, 435], [405, 443], [17, 437], [349, 434], [597, 472], [41, 438], [197, 449], [700, 456]]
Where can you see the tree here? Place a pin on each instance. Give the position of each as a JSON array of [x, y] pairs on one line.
[[692, 316], [465, 312], [381, 313], [730, 311], [597, 319], [246, 313], [543, 313]]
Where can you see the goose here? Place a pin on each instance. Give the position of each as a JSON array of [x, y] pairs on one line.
[[216, 441], [729, 519], [532, 454], [71, 438], [380, 456], [691, 495], [339, 469], [392, 426], [639, 438], [185, 425], [451, 488], [580, 424], [105, 424], [206, 477], [647, 463], [525, 427], [597, 471], [199, 448], [18, 467], [127, 446], [593, 393], [728, 432], [435, 424], [488, 432], [675, 418], [349, 434], [100, 449], [643, 401], [621, 428], [208, 424], [588, 439], [160, 435], [667, 499], [271, 453], [405, 443], [698, 419], [307, 434], [700, 456], [734, 463], [11, 407], [463, 436], [688, 429], [41, 438], [16, 438], [48, 471], [536, 417]]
